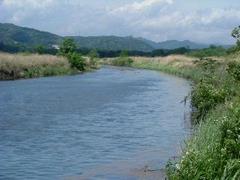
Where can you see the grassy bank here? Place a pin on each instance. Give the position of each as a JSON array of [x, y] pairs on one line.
[[213, 152], [16, 66]]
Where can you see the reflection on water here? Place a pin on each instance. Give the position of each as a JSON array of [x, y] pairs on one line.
[[99, 124]]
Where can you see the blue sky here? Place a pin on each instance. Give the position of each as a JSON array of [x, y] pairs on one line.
[[205, 21]]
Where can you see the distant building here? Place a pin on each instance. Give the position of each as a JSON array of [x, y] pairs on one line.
[[55, 46]]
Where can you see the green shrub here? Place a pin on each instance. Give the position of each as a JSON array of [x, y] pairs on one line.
[[77, 61], [67, 47], [93, 58], [208, 52], [234, 70], [214, 151], [206, 96], [122, 61]]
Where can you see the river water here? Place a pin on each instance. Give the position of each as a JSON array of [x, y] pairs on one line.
[[106, 124]]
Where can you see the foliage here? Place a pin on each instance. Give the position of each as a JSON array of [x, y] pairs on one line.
[[236, 33], [216, 51], [234, 70], [67, 47], [206, 96], [93, 57], [39, 49], [15, 66], [123, 60], [77, 61], [213, 152]]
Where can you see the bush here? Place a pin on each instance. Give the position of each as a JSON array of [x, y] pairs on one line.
[[67, 47], [93, 55], [208, 52], [77, 61], [205, 97], [214, 152], [123, 60], [234, 70]]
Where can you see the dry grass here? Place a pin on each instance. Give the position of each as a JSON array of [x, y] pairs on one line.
[[173, 60], [11, 62], [18, 64]]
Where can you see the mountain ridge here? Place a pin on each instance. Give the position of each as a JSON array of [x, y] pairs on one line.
[[17, 36]]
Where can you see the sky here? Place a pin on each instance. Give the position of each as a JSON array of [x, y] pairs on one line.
[[203, 21]]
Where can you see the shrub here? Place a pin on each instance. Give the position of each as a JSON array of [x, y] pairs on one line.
[[205, 97], [77, 61], [67, 47], [234, 70], [93, 55], [208, 52], [123, 60]]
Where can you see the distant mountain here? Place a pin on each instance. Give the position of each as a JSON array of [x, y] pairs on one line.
[[174, 44], [28, 38], [113, 43], [11, 34], [16, 36]]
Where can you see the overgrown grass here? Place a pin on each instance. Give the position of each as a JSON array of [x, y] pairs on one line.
[[213, 152], [15, 66]]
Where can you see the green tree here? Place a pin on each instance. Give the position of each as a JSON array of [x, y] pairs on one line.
[[93, 55], [236, 33], [67, 47], [77, 61], [124, 54], [39, 49]]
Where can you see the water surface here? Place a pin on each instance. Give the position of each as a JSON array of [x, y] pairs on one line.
[[99, 125]]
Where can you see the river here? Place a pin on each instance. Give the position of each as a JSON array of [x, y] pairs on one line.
[[107, 124]]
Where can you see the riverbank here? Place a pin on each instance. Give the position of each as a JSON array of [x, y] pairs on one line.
[[18, 66], [213, 152], [23, 66]]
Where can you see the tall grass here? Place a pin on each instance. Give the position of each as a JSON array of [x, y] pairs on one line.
[[175, 64], [15, 66]]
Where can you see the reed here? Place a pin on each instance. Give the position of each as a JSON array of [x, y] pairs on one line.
[[15, 66]]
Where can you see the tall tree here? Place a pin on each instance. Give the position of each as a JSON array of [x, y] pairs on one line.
[[236, 34], [67, 47]]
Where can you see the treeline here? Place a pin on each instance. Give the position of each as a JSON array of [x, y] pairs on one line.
[[206, 52], [85, 51]]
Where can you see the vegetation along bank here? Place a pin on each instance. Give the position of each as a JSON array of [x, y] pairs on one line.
[[68, 61], [213, 152]]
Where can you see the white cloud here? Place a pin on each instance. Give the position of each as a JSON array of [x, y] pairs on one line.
[[137, 6], [154, 19], [27, 3]]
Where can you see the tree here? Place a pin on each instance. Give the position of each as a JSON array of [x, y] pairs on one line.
[[93, 55], [77, 61], [67, 47], [39, 49], [124, 54], [236, 34]]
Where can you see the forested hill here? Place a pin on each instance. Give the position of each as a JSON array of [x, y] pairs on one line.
[[16, 38], [113, 43]]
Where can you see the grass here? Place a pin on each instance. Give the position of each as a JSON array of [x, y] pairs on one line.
[[15, 66], [213, 152]]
